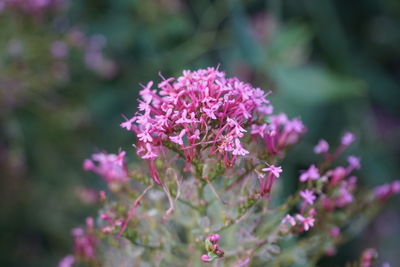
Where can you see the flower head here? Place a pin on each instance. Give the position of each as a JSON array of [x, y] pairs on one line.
[[347, 139], [311, 174], [307, 222], [354, 162], [288, 219], [276, 171], [196, 103], [109, 166], [308, 196], [321, 147]]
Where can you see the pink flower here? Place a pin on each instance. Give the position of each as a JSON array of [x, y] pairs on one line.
[[273, 174], [288, 219], [334, 231], [85, 241], [205, 258], [67, 261], [214, 238], [307, 222], [321, 147], [258, 129], [345, 197], [354, 162], [276, 171], [184, 118], [311, 174], [239, 150], [150, 152], [198, 103], [308, 196], [110, 166], [395, 187], [338, 174], [385, 191], [347, 139], [178, 139]]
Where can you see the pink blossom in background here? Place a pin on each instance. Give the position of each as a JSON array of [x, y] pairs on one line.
[[85, 241], [307, 222], [308, 196], [205, 258], [385, 191], [289, 219], [276, 171], [354, 163], [347, 139], [345, 196], [109, 166], [273, 173], [334, 231], [311, 174], [321, 147], [67, 261]]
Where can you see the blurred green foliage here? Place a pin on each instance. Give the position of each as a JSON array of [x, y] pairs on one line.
[[336, 64]]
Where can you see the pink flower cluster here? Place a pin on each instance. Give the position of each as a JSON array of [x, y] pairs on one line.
[[279, 133], [305, 223], [85, 241], [330, 189], [213, 249], [204, 112], [200, 110], [267, 182], [383, 192], [110, 167]]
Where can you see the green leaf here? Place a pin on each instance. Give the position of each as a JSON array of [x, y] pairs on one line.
[[311, 85]]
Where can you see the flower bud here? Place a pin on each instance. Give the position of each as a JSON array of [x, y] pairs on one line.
[[205, 258]]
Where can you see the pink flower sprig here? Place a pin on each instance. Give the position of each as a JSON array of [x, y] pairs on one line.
[[385, 191], [85, 241], [212, 248], [110, 167], [279, 133], [323, 148], [312, 173], [267, 182], [304, 222], [308, 196]]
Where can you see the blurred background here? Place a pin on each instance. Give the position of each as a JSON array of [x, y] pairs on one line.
[[69, 69]]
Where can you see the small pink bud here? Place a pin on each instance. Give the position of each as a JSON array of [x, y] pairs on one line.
[[334, 232], [321, 147], [214, 238], [205, 258], [88, 165], [347, 139]]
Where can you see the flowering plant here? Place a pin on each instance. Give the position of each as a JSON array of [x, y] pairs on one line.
[[214, 151]]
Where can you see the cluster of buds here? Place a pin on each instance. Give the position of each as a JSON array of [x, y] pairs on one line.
[[212, 248]]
